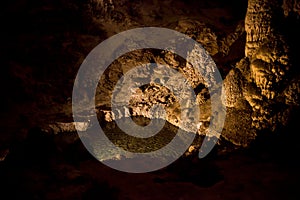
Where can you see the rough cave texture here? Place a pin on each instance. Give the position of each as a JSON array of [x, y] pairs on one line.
[[252, 48], [264, 76], [254, 44], [261, 86]]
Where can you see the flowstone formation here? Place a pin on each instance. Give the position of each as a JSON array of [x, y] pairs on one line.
[[258, 91], [261, 87], [262, 80], [44, 44]]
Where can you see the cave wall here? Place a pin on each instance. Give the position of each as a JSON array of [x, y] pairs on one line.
[[247, 40], [258, 86], [264, 77]]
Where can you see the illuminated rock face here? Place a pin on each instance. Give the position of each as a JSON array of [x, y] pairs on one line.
[[261, 77], [265, 47], [155, 93], [258, 23], [256, 88], [269, 67], [233, 89]]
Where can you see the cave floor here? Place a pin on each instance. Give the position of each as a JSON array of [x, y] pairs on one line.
[[72, 173]]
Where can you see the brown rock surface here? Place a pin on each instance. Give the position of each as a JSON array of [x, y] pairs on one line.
[[42, 46], [261, 77]]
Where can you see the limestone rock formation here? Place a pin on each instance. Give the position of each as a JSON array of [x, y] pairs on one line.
[[44, 44], [259, 23], [261, 77], [201, 33], [253, 88], [263, 86], [233, 91], [155, 93]]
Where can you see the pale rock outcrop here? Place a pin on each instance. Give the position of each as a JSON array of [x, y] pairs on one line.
[[60, 127], [155, 93]]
